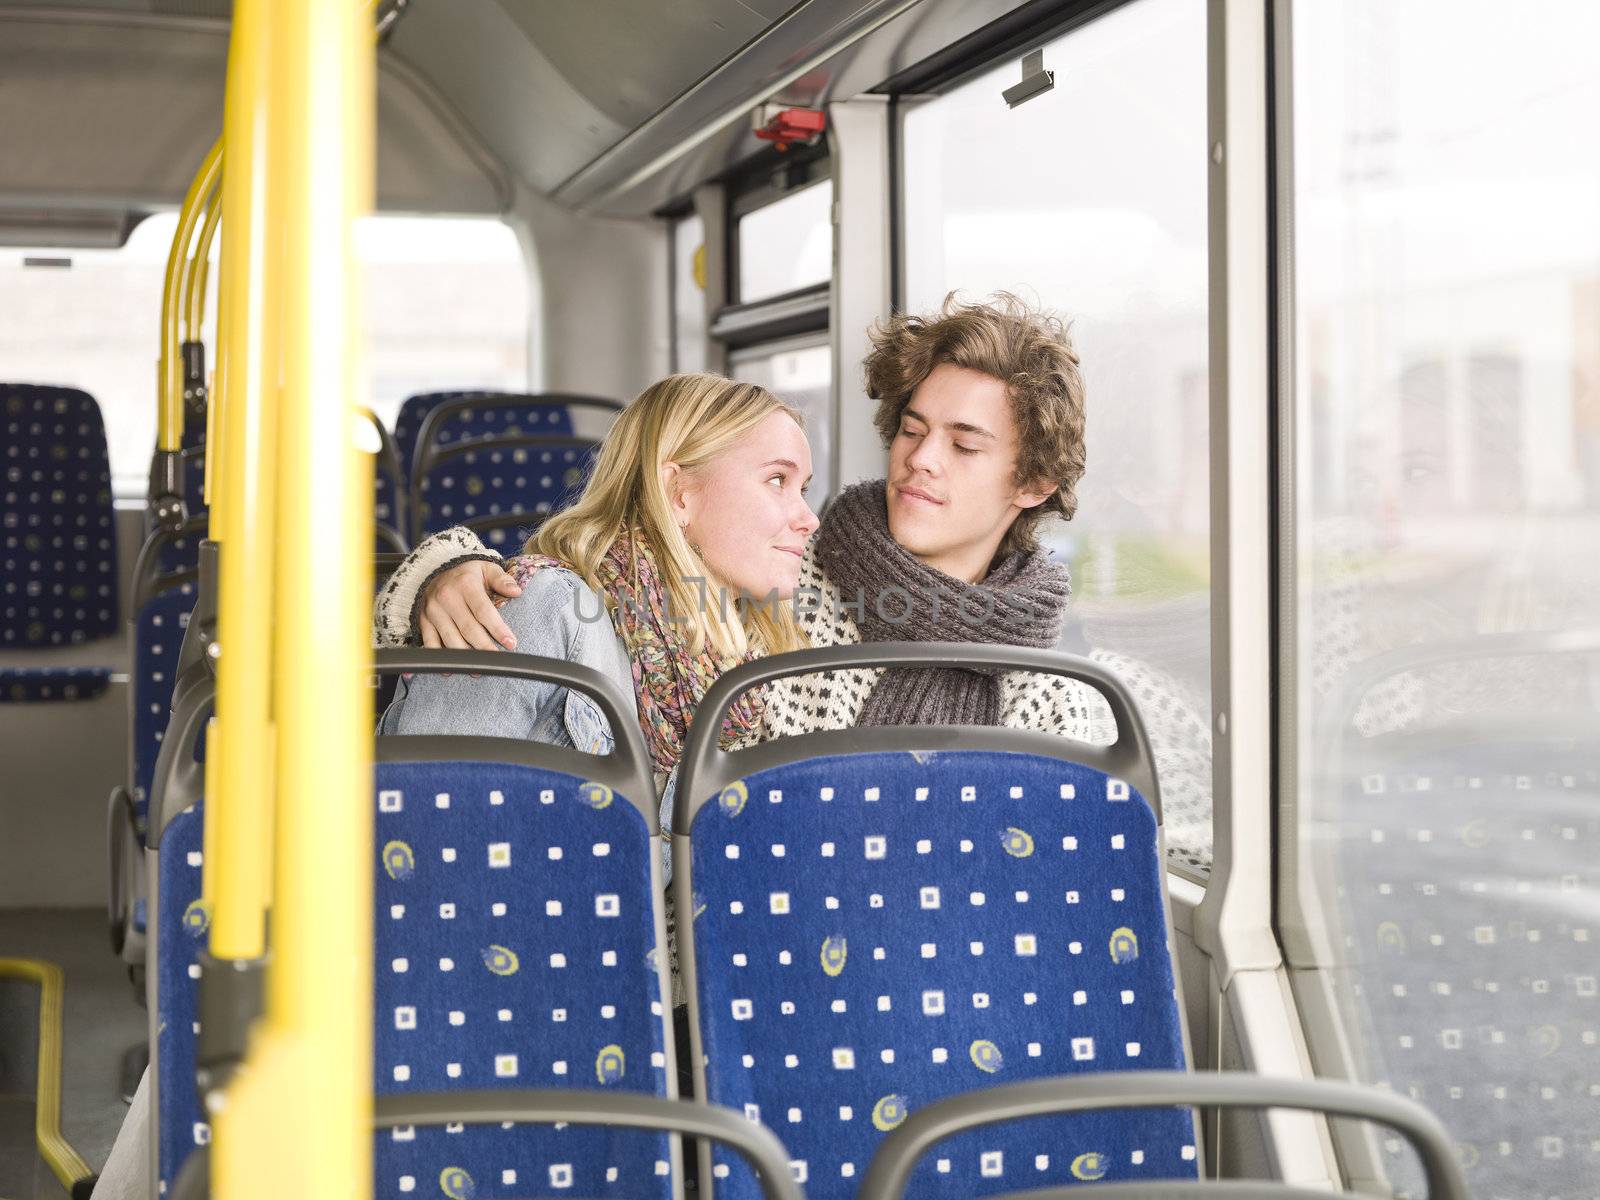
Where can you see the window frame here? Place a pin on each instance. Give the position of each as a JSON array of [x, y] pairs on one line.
[[764, 180]]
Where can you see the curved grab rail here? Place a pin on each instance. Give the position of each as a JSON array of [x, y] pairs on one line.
[[758, 1145], [892, 1165], [706, 768], [627, 768], [169, 416]]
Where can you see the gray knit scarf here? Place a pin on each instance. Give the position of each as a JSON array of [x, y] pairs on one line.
[[1020, 603]]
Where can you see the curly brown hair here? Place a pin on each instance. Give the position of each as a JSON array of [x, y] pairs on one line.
[[1028, 350]]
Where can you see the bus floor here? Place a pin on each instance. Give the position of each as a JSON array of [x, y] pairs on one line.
[[101, 1020]]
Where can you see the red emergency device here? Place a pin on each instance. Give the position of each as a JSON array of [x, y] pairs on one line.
[[793, 125]]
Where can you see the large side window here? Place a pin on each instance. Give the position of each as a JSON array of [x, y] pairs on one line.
[[447, 307], [1091, 200], [91, 319], [446, 302], [786, 245], [1447, 414]]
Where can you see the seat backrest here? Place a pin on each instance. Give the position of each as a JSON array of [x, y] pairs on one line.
[[518, 939], [524, 460], [501, 488], [479, 412], [389, 500], [884, 918], [176, 932], [58, 546], [158, 631], [519, 943]]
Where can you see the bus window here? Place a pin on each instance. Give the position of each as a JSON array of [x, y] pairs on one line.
[[90, 319], [447, 307], [688, 294], [799, 372], [1091, 200], [786, 245], [1447, 408]]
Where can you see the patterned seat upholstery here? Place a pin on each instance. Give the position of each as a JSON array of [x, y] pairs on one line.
[[182, 922], [177, 925], [503, 480], [157, 638], [58, 550], [474, 423], [874, 932], [515, 943], [1470, 942], [539, 474], [386, 510], [33, 685]]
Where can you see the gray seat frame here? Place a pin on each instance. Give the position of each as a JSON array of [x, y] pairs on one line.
[[706, 769]]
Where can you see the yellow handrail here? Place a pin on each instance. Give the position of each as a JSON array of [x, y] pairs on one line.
[[295, 1120], [169, 376], [64, 1162], [237, 874], [199, 270], [194, 286]]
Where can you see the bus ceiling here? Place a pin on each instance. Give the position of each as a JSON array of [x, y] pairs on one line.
[[475, 98]]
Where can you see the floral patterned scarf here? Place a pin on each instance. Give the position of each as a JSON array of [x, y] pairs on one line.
[[668, 681]]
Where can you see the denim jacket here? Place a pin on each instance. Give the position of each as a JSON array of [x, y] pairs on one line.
[[557, 616]]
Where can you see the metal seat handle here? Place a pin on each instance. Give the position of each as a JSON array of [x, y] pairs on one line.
[[758, 1145], [704, 759], [629, 753], [899, 1153]]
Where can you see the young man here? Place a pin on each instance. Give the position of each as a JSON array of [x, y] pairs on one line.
[[981, 408]]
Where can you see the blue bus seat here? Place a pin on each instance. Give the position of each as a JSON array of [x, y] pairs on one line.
[[389, 501], [58, 547], [501, 489], [493, 414], [157, 637], [176, 931], [537, 465], [518, 935], [885, 918]]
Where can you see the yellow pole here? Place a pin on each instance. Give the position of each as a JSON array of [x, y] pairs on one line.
[[296, 1118], [169, 393], [199, 270], [237, 874]]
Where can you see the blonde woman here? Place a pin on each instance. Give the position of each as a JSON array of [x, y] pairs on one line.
[[697, 498], [698, 492]]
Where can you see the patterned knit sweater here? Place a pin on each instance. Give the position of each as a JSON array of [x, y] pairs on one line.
[[801, 703]]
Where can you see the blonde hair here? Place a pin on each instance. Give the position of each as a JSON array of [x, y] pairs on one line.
[[690, 420]]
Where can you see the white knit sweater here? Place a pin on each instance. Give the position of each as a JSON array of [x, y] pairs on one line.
[[834, 699], [799, 703]]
